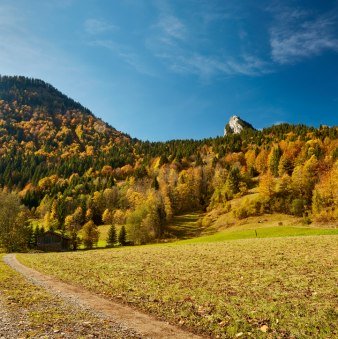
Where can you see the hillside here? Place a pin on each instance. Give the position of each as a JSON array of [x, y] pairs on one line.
[[37, 116], [69, 169]]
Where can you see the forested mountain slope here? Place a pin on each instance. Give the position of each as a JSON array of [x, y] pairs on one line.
[[63, 162]]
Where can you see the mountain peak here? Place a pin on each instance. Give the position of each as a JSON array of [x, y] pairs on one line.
[[236, 125]]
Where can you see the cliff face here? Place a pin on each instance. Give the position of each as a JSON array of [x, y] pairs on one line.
[[236, 125]]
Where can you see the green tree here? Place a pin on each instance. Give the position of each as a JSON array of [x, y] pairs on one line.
[[112, 237], [123, 236], [232, 183], [273, 160]]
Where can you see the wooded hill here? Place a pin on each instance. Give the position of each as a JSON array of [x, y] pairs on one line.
[[69, 167]]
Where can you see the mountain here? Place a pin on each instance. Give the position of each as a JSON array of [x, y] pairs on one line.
[[65, 164], [36, 116], [236, 125]]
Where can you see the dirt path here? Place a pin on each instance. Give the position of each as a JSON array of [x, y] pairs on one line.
[[142, 323], [8, 328]]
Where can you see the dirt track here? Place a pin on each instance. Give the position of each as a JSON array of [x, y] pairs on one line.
[[128, 317]]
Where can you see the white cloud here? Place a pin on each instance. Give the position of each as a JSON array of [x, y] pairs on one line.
[[98, 26], [207, 67], [180, 46], [296, 36], [126, 54], [172, 27]]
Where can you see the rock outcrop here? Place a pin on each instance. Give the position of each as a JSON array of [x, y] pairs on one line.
[[236, 125]]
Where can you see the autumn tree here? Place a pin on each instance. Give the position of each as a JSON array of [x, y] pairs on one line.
[[90, 234], [107, 217], [15, 230], [267, 186], [73, 225], [261, 163], [304, 178], [325, 196]]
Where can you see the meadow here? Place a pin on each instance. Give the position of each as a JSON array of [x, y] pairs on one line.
[[188, 229], [282, 287], [32, 312]]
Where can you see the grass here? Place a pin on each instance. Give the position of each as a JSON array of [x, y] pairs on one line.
[[266, 226], [261, 232], [103, 229], [36, 312], [185, 226], [276, 287]]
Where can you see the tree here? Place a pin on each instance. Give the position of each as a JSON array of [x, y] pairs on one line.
[[233, 181], [136, 231], [325, 196], [285, 165], [273, 160], [73, 226], [15, 230], [112, 237], [267, 186], [90, 234], [107, 217], [261, 161], [304, 178], [123, 236]]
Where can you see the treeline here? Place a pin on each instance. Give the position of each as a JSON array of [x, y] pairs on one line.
[[294, 175]]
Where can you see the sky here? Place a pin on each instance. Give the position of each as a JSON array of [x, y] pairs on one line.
[[178, 69]]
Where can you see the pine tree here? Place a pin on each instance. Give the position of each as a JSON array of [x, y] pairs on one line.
[[112, 238], [123, 236], [274, 158], [233, 181]]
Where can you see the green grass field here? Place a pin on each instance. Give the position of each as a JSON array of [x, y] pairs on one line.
[[266, 226], [262, 232], [282, 286]]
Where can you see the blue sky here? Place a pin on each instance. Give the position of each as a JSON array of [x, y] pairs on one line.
[[160, 69]]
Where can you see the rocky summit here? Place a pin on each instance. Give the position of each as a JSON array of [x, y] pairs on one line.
[[236, 125]]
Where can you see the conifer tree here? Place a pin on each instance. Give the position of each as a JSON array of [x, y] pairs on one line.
[[274, 158], [112, 237], [123, 236]]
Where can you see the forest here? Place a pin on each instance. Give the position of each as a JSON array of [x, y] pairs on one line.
[[71, 172]]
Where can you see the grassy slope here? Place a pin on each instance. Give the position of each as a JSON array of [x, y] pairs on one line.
[[223, 288], [225, 227], [185, 226], [254, 231]]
